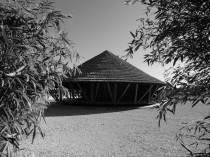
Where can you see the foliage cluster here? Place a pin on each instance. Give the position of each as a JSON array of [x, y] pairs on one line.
[[35, 55], [179, 31]]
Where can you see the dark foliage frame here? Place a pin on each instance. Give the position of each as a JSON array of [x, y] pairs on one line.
[[177, 31], [35, 55]]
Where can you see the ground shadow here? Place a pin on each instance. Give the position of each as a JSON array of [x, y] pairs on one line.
[[56, 109]]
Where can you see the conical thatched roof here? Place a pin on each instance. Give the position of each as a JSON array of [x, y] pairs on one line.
[[110, 68]]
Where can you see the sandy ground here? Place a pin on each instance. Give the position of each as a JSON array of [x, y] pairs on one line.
[[104, 132]]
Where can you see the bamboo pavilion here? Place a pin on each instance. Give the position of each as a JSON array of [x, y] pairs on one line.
[[107, 79]]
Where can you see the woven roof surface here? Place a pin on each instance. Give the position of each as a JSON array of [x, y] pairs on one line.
[[108, 67]]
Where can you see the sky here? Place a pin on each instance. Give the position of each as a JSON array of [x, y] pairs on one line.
[[99, 25]]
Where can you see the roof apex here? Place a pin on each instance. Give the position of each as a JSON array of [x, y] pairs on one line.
[[106, 52]]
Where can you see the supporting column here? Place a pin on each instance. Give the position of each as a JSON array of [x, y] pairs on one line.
[[96, 91], [70, 95], [110, 92], [149, 95], [83, 92], [72, 92], [136, 93], [155, 93], [145, 93], [115, 93], [124, 92], [60, 94], [92, 98]]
